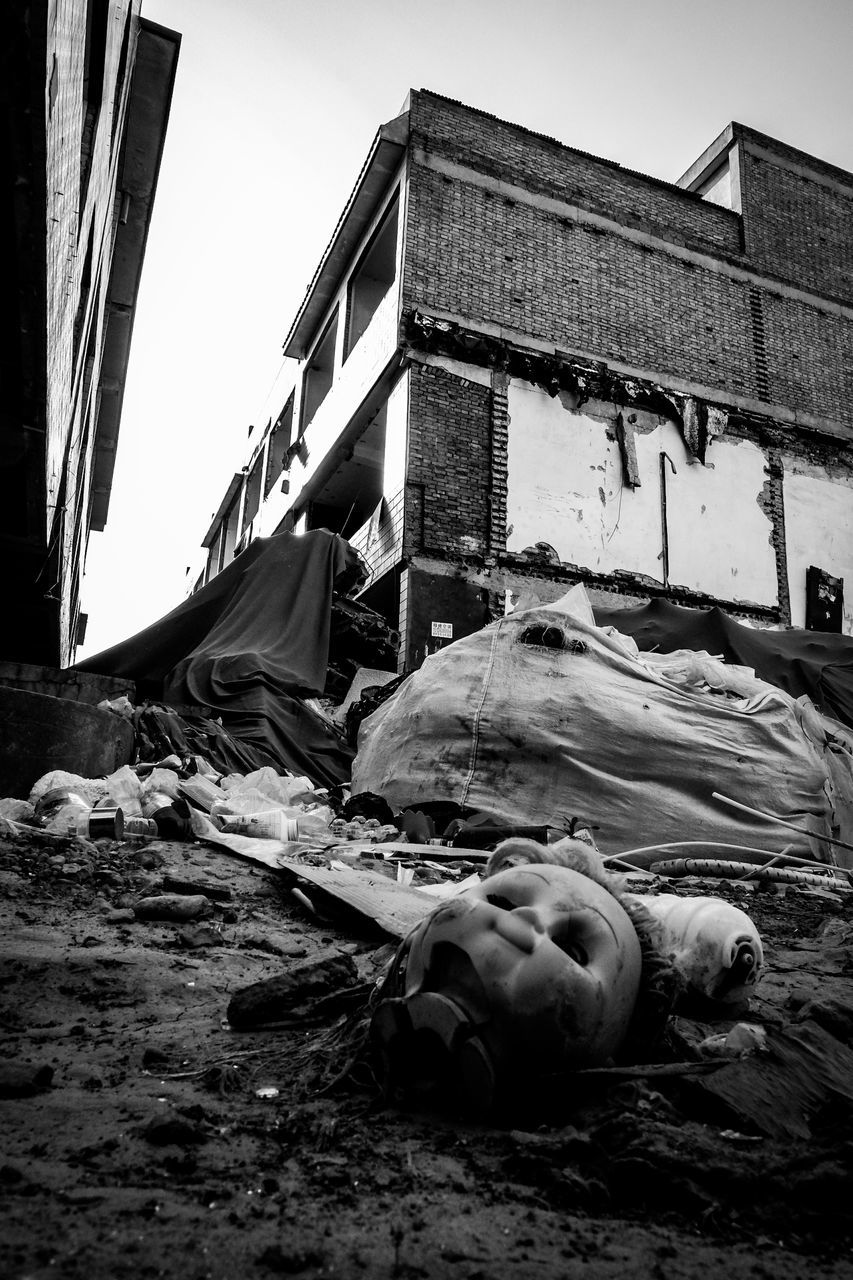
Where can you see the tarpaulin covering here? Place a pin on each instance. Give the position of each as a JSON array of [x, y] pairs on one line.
[[542, 715], [250, 646], [815, 663]]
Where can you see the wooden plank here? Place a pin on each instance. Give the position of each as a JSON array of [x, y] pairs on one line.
[[393, 907]]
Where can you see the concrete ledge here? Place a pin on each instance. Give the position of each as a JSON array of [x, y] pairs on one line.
[[67, 682]]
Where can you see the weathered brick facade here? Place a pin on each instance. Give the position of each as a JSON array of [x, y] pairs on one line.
[[449, 465], [501, 233], [517, 241], [609, 379]]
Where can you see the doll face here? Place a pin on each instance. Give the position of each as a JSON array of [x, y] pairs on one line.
[[542, 960]]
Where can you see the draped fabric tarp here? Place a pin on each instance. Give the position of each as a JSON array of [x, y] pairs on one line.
[[250, 646], [543, 716], [815, 663]]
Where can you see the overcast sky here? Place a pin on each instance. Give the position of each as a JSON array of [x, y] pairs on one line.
[[275, 107]]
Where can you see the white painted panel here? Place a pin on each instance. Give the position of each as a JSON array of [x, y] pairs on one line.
[[819, 532], [565, 487], [396, 438], [719, 536]]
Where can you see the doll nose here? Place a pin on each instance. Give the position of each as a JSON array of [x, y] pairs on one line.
[[521, 927]]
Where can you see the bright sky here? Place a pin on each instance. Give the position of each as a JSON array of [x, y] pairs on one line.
[[275, 107]]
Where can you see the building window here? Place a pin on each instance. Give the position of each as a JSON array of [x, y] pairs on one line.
[[319, 372], [279, 445], [373, 277], [228, 533]]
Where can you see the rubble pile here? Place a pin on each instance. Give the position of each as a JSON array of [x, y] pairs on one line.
[[587, 909]]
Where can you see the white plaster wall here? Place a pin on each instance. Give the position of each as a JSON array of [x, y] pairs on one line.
[[719, 535], [396, 438], [819, 532], [565, 487]]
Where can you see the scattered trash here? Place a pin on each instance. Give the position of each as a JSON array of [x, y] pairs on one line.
[[743, 1038], [140, 828], [16, 810]]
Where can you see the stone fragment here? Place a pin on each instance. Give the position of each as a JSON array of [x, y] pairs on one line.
[[286, 995], [173, 906]]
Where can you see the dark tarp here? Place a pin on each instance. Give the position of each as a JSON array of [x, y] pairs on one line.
[[249, 646], [816, 663]]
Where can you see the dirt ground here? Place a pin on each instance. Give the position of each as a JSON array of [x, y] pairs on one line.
[[142, 1136]]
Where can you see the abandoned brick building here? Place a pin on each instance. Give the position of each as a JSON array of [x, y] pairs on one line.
[[85, 90], [518, 366]]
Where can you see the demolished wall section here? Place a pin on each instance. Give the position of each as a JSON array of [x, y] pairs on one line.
[[548, 266], [551, 462], [449, 462]]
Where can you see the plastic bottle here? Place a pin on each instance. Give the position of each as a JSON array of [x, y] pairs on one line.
[[282, 824], [140, 828], [714, 945]]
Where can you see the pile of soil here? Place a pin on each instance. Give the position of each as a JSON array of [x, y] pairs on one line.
[[144, 1136]]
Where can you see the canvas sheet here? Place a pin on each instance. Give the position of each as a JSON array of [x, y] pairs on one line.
[[634, 744], [815, 663], [250, 646]]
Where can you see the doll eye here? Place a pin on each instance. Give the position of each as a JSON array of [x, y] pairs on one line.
[[565, 937], [497, 900]]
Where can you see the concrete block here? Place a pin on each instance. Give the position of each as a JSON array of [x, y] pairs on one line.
[[39, 733]]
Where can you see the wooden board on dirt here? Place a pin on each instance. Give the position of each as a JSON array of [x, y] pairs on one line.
[[394, 907]]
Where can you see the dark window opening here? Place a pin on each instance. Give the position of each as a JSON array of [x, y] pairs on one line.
[[253, 492], [227, 536], [352, 493], [319, 373], [97, 15], [372, 278], [279, 445], [85, 289], [551, 637]]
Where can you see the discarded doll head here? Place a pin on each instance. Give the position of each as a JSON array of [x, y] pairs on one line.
[[534, 971]]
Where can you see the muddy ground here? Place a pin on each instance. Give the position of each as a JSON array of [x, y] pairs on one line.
[[142, 1136]]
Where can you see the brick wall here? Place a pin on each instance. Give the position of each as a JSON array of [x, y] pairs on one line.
[[798, 216], [542, 164], [447, 491], [490, 260]]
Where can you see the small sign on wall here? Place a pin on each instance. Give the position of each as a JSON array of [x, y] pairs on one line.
[[824, 601], [442, 630]]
